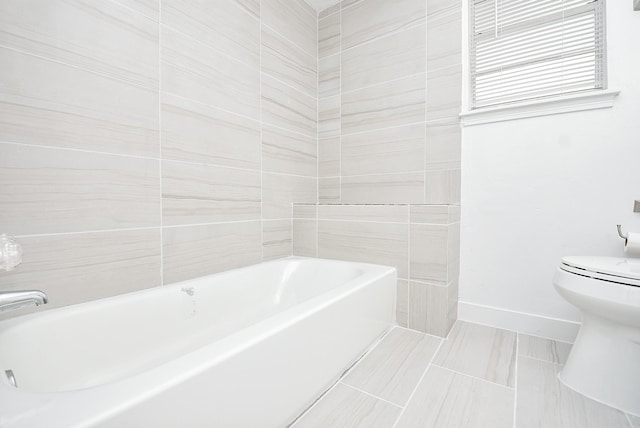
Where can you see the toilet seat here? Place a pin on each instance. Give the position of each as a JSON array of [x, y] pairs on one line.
[[618, 270]]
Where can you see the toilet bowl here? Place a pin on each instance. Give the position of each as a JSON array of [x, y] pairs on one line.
[[604, 363]]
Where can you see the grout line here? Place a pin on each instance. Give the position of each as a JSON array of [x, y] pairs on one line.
[[407, 77], [474, 377], [415, 389], [148, 88], [388, 34], [340, 95], [160, 140], [541, 360], [418, 331], [261, 138], [129, 229], [384, 128], [408, 281], [370, 395], [628, 417], [515, 382], [42, 146]]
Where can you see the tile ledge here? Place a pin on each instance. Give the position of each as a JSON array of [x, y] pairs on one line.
[[578, 102]]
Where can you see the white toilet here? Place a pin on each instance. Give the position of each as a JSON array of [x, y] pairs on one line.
[[604, 363]]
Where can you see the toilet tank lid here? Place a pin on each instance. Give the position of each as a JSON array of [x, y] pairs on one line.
[[615, 266]]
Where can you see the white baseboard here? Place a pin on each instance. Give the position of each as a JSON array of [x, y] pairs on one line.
[[535, 325]]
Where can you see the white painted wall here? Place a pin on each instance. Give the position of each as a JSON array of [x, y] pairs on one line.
[[534, 190]]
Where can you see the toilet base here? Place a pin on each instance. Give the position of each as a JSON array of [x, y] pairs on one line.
[[604, 364]]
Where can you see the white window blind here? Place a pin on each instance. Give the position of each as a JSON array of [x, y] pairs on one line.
[[531, 49]]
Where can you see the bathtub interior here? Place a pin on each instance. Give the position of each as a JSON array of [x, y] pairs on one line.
[[94, 343]]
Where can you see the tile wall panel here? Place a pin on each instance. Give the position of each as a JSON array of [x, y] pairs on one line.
[[195, 132], [134, 146], [46, 190], [419, 240], [44, 102], [395, 67], [229, 30], [294, 20], [194, 251], [100, 36], [368, 20], [388, 58]]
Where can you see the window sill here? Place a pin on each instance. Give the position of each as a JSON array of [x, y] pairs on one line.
[[578, 102]]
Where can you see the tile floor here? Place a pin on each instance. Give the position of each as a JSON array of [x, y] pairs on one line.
[[478, 377]]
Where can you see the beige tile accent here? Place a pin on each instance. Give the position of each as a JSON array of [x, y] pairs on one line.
[[287, 108], [305, 238], [393, 150], [50, 191], [330, 10], [431, 214], [389, 58], [543, 349], [329, 76], [288, 152], [375, 213], [444, 146], [444, 94], [383, 189], [198, 133], [453, 400], [428, 253], [485, 352], [544, 402], [380, 243], [429, 308], [393, 368], [367, 20], [123, 44], [329, 35], [444, 39], [280, 191], [396, 103], [293, 20], [75, 268], [150, 8], [199, 193], [229, 30], [199, 72], [329, 154], [402, 303], [92, 112], [304, 211], [329, 190], [344, 407], [276, 239], [194, 251], [287, 62], [329, 117]]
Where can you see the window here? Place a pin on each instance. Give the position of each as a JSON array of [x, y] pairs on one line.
[[533, 49]]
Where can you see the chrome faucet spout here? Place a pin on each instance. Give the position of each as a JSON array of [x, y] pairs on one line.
[[17, 299]]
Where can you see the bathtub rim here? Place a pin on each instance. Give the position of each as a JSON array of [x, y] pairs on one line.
[[145, 384]]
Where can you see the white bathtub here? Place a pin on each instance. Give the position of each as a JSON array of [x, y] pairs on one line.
[[251, 347]]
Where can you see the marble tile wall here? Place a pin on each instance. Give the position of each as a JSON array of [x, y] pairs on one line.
[[420, 241], [148, 142], [389, 99]]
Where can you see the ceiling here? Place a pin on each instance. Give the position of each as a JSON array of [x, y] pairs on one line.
[[322, 4]]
